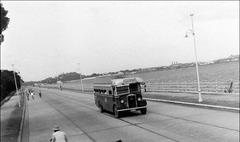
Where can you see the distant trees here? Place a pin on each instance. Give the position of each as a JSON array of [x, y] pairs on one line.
[[62, 77], [4, 22], [7, 82], [49, 80], [69, 76], [29, 83], [93, 75]]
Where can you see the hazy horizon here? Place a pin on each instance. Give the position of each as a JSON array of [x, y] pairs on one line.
[[45, 39]]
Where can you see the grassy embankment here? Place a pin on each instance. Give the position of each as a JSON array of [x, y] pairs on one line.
[[223, 72]]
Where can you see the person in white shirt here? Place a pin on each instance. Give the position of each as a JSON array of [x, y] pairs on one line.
[[58, 135], [32, 94]]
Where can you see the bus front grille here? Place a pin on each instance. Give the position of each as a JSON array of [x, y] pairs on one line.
[[132, 101]]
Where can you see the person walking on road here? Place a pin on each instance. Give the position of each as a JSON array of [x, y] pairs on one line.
[[58, 135], [27, 94], [145, 87], [32, 94], [40, 94]]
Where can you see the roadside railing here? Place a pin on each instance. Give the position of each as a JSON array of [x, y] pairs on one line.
[[191, 87], [178, 87]]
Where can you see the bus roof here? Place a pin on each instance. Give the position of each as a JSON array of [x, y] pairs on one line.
[[109, 80]]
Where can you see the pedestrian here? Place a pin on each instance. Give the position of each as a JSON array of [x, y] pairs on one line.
[[32, 94], [229, 89], [58, 135], [145, 87], [27, 93], [40, 94]]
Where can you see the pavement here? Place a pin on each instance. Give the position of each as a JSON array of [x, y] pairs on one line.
[[11, 116], [78, 116]]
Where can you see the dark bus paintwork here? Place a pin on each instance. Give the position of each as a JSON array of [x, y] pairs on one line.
[[119, 95]]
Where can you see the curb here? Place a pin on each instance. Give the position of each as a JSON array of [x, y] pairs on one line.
[[23, 118], [195, 104]]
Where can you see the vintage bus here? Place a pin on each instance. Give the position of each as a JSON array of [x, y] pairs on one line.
[[119, 95]]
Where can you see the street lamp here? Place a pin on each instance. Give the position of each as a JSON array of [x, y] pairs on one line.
[[191, 31], [80, 77], [15, 81]]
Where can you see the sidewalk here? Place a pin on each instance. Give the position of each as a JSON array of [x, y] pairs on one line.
[[11, 116], [210, 99]]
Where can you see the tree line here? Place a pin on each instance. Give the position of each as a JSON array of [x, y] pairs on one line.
[[66, 77], [8, 83]]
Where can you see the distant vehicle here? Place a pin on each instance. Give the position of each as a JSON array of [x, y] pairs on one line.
[[119, 95]]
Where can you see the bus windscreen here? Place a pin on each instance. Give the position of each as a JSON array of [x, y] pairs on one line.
[[122, 90]]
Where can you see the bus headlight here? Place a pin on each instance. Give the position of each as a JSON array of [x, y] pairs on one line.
[[139, 99], [122, 101]]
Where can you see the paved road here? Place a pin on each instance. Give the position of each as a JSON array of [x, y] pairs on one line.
[[78, 116]]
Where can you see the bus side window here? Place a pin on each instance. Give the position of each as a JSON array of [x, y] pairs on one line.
[[113, 91], [110, 92], [102, 91]]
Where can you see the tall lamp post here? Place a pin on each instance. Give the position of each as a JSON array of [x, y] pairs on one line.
[[15, 81], [191, 31], [80, 78]]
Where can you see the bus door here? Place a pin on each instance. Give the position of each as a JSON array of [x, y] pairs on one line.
[[98, 97], [108, 99], [104, 99]]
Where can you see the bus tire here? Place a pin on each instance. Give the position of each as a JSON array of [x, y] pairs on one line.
[[143, 110], [101, 108], [116, 113]]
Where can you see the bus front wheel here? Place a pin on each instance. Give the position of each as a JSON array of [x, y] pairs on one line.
[[144, 110], [101, 108]]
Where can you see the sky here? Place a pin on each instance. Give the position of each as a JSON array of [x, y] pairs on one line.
[[45, 39]]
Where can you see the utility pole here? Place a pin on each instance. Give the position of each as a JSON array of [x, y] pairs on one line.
[[196, 59], [19, 104]]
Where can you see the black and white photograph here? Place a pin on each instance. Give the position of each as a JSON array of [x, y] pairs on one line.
[[119, 71]]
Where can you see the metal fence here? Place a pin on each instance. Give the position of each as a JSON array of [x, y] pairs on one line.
[[206, 87], [185, 87]]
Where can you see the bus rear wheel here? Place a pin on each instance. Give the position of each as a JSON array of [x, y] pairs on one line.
[[143, 110], [101, 108]]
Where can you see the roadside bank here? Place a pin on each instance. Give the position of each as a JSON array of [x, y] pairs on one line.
[[221, 101]]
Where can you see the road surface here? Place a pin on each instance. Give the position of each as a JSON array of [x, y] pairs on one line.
[[78, 116]]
